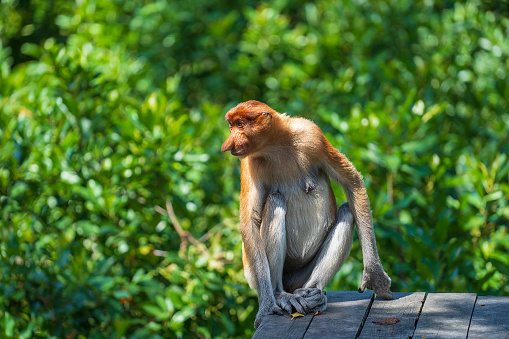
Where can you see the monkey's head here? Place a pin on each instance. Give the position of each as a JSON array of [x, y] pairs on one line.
[[249, 123]]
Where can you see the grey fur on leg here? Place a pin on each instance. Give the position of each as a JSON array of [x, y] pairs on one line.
[[327, 262]]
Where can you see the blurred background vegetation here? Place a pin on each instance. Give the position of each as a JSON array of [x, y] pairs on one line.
[[109, 109]]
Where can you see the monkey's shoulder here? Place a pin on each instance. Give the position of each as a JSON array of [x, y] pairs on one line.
[[307, 137], [303, 126]]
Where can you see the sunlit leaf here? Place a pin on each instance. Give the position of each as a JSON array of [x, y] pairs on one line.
[[296, 315]]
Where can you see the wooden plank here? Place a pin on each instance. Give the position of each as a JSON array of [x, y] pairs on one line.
[[345, 314], [405, 307], [445, 315], [281, 326], [490, 318]]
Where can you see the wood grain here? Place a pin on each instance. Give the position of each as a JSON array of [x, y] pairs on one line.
[[344, 317], [281, 326], [405, 307], [445, 315], [490, 318]]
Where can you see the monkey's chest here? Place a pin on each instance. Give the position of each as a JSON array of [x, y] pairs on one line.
[[309, 216]]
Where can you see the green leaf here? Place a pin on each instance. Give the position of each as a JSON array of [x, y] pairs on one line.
[[86, 227], [501, 267], [70, 177], [494, 196], [28, 331], [182, 315], [8, 325], [440, 231], [475, 222], [156, 311]]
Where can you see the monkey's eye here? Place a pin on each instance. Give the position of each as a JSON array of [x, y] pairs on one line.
[[240, 124]]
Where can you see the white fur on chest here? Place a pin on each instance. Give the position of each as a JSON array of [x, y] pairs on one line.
[[307, 215]]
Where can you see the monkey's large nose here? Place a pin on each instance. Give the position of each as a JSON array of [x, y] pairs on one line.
[[228, 145]]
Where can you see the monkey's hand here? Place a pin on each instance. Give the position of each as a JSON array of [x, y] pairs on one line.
[[376, 279], [266, 310], [303, 300]]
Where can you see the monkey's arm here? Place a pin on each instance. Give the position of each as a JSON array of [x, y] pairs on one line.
[[342, 171], [256, 264], [255, 261]]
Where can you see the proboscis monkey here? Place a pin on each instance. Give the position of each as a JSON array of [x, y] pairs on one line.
[[294, 237]]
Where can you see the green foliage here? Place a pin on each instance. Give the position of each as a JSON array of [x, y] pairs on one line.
[[111, 108]]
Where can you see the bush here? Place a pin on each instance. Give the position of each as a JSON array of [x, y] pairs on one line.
[[110, 110]]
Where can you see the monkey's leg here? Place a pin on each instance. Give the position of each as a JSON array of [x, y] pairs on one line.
[[310, 280], [259, 258]]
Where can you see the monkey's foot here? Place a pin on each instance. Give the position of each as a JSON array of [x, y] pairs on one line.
[[303, 300], [377, 280], [263, 311], [288, 301]]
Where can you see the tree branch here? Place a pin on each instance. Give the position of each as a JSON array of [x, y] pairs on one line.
[[185, 236]]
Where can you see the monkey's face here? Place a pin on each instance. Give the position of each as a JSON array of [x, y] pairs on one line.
[[249, 123], [237, 143]]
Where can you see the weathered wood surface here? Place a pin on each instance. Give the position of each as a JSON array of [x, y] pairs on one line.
[[276, 326], [490, 318], [405, 307], [345, 311], [445, 315], [435, 315]]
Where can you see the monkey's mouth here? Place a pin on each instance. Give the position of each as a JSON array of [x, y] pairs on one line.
[[237, 152]]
